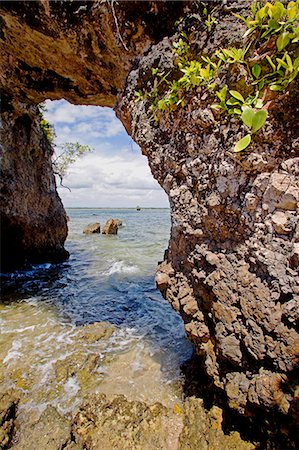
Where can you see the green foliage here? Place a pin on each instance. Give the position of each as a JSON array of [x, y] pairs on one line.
[[210, 21], [242, 143], [46, 127], [70, 152], [270, 59], [272, 19]]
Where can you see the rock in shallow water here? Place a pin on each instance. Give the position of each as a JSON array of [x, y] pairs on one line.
[[111, 226], [118, 424], [92, 228]]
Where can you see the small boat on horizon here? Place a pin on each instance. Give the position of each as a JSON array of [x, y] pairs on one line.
[[138, 208]]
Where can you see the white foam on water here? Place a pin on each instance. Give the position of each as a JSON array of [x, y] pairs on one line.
[[121, 267], [13, 352], [17, 330], [71, 387]]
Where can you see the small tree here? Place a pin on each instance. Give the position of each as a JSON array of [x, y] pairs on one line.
[[69, 153]]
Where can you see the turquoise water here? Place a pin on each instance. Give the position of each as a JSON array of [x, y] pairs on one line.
[[107, 278]]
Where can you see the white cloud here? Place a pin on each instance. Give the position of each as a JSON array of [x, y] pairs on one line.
[[115, 174], [82, 123]]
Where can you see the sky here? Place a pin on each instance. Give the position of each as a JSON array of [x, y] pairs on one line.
[[115, 174]]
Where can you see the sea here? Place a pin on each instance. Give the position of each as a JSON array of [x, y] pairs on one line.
[[46, 309]]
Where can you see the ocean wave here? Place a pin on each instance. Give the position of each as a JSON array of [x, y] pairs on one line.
[[121, 267]]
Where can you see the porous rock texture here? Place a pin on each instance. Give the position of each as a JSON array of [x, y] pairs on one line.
[[33, 220], [80, 51], [231, 269]]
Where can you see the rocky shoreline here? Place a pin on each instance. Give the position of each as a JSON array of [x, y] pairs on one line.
[[231, 268]]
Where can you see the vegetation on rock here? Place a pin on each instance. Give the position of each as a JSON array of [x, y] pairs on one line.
[[68, 152], [268, 60]]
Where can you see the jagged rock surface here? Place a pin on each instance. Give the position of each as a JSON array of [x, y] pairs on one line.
[[231, 269], [51, 50], [33, 220], [92, 228], [111, 226]]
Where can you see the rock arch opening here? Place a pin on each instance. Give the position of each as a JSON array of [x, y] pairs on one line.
[[114, 174], [231, 269]]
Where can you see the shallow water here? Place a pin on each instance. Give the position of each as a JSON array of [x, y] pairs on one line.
[[46, 308]]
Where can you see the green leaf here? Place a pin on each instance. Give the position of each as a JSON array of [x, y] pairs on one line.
[[222, 93], [259, 120], [290, 64], [273, 24], [259, 103], [232, 101], [271, 62], [256, 70], [278, 11], [216, 106], [283, 40], [237, 95], [237, 111], [248, 32], [292, 10], [242, 143], [247, 117], [276, 87], [261, 14]]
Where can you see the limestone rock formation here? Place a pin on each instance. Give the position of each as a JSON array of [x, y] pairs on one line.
[[111, 226], [52, 50], [92, 228], [33, 221], [106, 424], [231, 269]]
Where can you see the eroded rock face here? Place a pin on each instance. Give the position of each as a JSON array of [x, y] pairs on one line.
[[92, 228], [111, 226], [231, 269], [51, 50], [33, 220]]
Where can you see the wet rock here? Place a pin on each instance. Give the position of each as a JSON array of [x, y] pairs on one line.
[[111, 226], [96, 331], [122, 424], [203, 429], [8, 411], [92, 228], [78, 363], [51, 432]]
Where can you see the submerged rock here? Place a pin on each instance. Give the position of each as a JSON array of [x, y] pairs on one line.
[[92, 228], [111, 226]]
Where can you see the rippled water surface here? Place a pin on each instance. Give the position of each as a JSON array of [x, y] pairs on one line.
[[46, 310]]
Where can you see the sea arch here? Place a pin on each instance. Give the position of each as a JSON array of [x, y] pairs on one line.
[[231, 269]]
